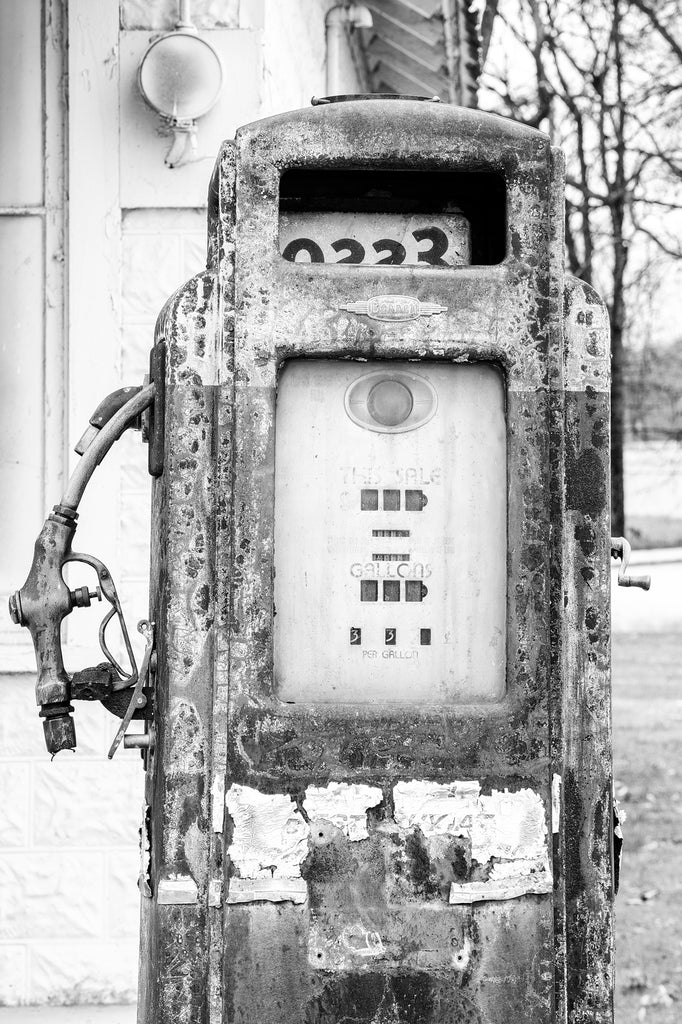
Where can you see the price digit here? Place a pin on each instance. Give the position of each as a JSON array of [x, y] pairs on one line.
[[439, 246], [395, 250], [356, 252], [299, 245]]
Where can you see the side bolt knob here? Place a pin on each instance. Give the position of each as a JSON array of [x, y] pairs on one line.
[[15, 612], [82, 596]]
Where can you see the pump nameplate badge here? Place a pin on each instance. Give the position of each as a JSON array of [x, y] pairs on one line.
[[393, 308]]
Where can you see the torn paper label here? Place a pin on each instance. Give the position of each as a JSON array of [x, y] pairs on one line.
[[503, 889], [436, 808], [343, 805], [270, 837], [269, 890], [509, 826], [507, 833]]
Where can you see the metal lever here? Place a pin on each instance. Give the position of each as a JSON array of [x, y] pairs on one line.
[[137, 698], [620, 548]]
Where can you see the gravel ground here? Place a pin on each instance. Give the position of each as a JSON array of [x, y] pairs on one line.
[[647, 715]]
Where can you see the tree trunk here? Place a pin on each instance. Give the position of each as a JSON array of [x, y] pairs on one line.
[[617, 423], [620, 256]]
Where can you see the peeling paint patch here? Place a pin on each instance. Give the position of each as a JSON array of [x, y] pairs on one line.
[[191, 315], [270, 890], [270, 837], [215, 892], [556, 803], [361, 942], [177, 889], [145, 876], [586, 320], [462, 956], [218, 803], [355, 945], [186, 749], [344, 806]]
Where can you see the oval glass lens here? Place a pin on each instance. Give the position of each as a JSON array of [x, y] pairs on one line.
[[390, 402]]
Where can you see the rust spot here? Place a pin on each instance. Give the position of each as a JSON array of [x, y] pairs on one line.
[[591, 618], [412, 997], [419, 866], [584, 534], [202, 597], [600, 433], [586, 490]]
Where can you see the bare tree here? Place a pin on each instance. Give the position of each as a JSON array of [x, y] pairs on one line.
[[604, 79]]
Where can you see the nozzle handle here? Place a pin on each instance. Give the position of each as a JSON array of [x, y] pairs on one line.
[[40, 605]]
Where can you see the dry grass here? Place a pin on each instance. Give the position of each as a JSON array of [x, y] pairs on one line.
[[654, 531], [647, 711]]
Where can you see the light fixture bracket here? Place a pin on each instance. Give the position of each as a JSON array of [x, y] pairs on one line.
[[180, 77]]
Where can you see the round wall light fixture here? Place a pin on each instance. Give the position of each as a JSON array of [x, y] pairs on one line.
[[180, 77]]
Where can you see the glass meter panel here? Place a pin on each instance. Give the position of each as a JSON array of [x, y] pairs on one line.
[[390, 532]]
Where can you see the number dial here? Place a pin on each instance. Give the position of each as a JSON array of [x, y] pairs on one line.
[[375, 239]]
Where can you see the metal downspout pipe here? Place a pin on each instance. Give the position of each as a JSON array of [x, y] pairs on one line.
[[338, 20]]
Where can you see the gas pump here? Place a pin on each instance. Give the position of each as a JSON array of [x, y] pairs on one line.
[[378, 755]]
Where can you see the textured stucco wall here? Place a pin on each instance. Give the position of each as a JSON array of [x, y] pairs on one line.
[[69, 902], [68, 860]]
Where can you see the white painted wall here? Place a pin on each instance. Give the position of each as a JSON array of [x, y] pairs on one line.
[[68, 828], [294, 65]]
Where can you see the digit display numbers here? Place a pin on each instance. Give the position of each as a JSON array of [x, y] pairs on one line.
[[377, 239]]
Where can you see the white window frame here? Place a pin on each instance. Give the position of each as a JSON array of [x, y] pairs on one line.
[[16, 649], [82, 270]]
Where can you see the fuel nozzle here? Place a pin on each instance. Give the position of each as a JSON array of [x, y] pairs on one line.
[[45, 598], [59, 727]]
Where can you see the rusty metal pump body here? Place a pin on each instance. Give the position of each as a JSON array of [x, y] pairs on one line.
[[377, 914]]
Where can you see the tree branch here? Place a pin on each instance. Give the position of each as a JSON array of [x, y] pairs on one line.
[[653, 17]]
